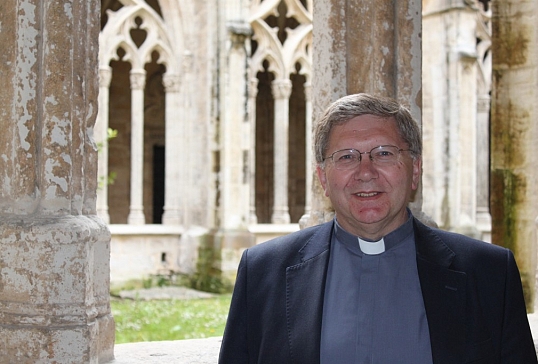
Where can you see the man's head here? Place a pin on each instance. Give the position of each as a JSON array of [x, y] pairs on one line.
[[369, 187], [347, 107]]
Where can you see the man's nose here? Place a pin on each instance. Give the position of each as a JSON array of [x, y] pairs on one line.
[[366, 169]]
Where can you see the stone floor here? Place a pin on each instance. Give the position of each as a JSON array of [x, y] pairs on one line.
[[199, 351], [196, 351]]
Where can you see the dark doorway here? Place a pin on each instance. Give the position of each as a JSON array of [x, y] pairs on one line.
[[158, 183]]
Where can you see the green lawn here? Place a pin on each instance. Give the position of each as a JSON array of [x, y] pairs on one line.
[[161, 320]]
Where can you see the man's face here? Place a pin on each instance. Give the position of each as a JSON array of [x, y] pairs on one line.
[[370, 200]]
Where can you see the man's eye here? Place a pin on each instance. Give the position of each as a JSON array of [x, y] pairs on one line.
[[384, 154], [345, 157]]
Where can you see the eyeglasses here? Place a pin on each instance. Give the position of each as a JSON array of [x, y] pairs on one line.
[[384, 155]]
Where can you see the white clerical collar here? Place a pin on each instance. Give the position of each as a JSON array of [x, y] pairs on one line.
[[372, 247], [386, 243]]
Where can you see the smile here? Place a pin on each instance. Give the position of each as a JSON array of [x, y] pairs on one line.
[[371, 194]]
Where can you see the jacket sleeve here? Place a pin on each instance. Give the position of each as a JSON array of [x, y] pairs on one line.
[[517, 342], [234, 348]]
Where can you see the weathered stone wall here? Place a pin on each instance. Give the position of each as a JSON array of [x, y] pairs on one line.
[[54, 251], [514, 135]]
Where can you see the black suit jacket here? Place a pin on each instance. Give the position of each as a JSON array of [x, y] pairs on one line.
[[472, 294]]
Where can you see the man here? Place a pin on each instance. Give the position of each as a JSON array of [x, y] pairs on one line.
[[375, 285]]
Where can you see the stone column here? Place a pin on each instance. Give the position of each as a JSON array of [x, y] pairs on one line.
[[101, 137], [54, 250], [233, 209], [309, 146], [461, 117], [138, 82], [173, 158], [483, 217], [189, 185], [385, 59], [281, 94], [484, 58], [232, 235], [252, 94], [514, 135]]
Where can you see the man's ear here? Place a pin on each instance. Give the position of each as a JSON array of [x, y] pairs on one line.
[[322, 178], [417, 172]]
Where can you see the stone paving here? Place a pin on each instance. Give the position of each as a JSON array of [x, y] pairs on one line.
[[164, 293], [196, 351]]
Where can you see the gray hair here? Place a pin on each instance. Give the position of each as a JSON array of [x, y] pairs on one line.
[[348, 107]]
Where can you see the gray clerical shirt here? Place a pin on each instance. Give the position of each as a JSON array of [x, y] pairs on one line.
[[373, 310]]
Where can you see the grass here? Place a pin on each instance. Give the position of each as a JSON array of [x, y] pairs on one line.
[[162, 320]]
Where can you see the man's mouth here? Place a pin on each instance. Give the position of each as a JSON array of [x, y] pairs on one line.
[[369, 194]]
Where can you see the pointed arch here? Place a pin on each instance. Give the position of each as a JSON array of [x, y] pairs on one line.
[[282, 57], [117, 34]]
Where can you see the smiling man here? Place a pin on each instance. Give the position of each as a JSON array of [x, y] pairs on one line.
[[375, 285]]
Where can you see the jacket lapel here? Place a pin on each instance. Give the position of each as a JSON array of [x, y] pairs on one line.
[[444, 294], [305, 286]]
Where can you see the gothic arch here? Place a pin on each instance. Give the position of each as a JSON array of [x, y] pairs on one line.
[[136, 14], [153, 61], [178, 18], [281, 65], [281, 55]]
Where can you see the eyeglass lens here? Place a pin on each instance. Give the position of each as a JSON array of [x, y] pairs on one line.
[[351, 158]]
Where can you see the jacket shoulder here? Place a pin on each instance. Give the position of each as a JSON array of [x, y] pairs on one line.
[[291, 248], [465, 251]]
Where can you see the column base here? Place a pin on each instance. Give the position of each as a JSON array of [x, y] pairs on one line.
[[54, 290], [171, 216], [136, 217], [92, 343]]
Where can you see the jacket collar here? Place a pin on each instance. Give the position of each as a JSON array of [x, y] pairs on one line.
[[319, 242]]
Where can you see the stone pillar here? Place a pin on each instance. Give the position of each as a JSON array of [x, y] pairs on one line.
[[281, 94], [252, 94], [514, 134], [483, 217], [385, 59], [483, 35], [54, 251], [101, 137], [450, 157], [173, 157], [138, 82], [310, 162], [189, 184], [234, 207]]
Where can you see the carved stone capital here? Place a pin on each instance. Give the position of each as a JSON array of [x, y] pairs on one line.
[[281, 89], [171, 82], [105, 77], [253, 88], [138, 80]]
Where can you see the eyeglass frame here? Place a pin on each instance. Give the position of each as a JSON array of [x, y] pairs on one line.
[[400, 150]]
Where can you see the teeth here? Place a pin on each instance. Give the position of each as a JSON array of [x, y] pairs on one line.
[[367, 194]]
